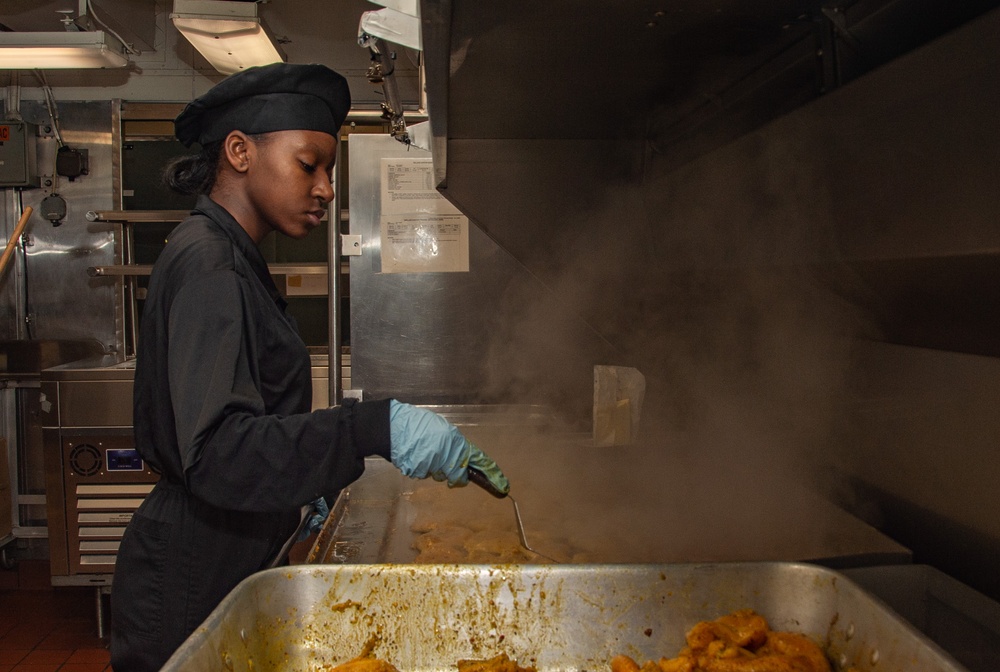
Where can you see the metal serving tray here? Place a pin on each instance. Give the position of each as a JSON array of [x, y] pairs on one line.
[[963, 621], [424, 618]]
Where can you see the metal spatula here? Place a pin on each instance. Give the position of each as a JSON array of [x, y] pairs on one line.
[[479, 478]]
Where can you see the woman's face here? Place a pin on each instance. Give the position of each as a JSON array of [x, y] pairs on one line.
[[290, 176]]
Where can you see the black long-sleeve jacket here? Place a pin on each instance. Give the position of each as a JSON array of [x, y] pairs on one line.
[[222, 410]]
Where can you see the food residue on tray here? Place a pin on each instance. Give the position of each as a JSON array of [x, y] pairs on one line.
[[366, 663], [737, 642]]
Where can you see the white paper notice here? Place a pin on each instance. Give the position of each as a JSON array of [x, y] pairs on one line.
[[421, 231]]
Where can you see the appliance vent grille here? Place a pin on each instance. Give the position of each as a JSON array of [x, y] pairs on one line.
[[85, 459]]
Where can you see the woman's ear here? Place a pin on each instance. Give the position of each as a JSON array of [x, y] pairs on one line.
[[236, 148]]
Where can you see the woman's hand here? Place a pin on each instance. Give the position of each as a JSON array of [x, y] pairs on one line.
[[425, 444]]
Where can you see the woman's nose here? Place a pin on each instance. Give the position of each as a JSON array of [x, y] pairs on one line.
[[323, 190]]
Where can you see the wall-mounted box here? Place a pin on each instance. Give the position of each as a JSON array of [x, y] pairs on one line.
[[18, 166]]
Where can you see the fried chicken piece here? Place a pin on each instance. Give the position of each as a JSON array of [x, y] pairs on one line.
[[681, 664], [738, 642], [500, 663], [365, 664], [624, 664], [744, 628], [650, 666], [796, 646], [781, 652]]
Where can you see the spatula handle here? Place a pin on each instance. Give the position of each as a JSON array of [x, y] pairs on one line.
[[479, 478]]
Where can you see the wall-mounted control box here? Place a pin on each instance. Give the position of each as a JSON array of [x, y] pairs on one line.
[[18, 165]]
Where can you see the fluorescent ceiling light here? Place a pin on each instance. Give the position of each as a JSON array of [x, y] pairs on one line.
[[228, 34], [85, 49]]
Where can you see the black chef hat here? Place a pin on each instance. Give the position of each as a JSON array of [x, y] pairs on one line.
[[276, 97]]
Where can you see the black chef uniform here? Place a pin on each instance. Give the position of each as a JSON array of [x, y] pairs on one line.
[[222, 399]]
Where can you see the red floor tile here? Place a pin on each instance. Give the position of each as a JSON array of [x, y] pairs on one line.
[[12, 656], [49, 629], [46, 657], [90, 657], [26, 636], [69, 640]]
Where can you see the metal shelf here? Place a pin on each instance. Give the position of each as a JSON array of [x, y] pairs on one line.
[[127, 270], [137, 216], [147, 216]]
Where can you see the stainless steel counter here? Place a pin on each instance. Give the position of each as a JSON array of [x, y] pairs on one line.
[[587, 504], [98, 391], [88, 393]]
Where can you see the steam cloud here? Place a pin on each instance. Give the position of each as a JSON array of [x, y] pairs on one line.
[[720, 282]]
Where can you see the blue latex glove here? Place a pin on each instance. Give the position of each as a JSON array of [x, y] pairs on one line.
[[320, 513], [425, 444]]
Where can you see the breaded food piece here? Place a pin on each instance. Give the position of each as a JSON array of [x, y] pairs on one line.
[[365, 664], [740, 641], [500, 663], [624, 664], [743, 628]]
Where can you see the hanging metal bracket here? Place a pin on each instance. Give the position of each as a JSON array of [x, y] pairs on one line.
[[381, 71]]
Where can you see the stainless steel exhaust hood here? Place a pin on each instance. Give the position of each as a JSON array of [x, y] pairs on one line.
[[547, 116], [685, 75]]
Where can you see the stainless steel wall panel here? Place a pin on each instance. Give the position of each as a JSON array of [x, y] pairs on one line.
[[433, 337], [64, 301]]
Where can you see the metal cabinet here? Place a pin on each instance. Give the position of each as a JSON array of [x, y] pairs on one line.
[[95, 479]]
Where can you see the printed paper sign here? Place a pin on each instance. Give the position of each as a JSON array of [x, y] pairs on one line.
[[421, 231]]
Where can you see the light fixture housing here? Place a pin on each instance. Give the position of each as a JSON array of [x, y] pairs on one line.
[[45, 50], [393, 26], [229, 35]]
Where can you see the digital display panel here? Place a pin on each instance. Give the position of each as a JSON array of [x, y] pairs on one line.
[[124, 460]]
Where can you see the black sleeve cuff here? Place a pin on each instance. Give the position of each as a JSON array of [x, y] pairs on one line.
[[371, 427]]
